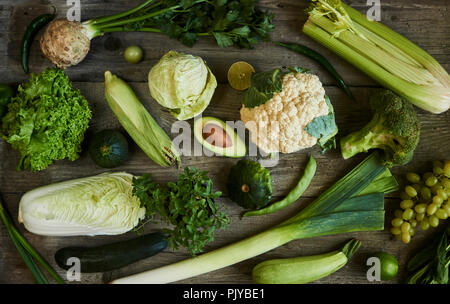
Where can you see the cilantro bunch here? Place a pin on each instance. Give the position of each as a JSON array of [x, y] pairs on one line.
[[230, 22], [188, 206]]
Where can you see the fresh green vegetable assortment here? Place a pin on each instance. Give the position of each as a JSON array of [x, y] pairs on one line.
[[354, 203], [230, 22], [46, 119]]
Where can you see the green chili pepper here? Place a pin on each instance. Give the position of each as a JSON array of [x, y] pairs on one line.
[[295, 193], [35, 25], [6, 92], [304, 50]]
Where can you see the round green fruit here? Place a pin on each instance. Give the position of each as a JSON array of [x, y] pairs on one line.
[[250, 185], [109, 148], [388, 265]]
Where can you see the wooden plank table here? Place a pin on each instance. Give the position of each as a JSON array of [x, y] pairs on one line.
[[423, 21]]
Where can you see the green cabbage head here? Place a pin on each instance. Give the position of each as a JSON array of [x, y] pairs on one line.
[[97, 205], [182, 83]]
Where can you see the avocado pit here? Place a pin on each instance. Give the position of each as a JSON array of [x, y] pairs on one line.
[[216, 136]]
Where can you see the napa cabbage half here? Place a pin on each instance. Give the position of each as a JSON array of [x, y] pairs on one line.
[[97, 205]]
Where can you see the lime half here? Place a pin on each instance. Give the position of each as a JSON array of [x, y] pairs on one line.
[[240, 75]]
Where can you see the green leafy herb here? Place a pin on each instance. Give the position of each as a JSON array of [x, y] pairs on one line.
[[430, 265], [230, 22], [46, 120], [188, 206]]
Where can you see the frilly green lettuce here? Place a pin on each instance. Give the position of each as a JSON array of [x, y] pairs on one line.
[[182, 83], [46, 120]]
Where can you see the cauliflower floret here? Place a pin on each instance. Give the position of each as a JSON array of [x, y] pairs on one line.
[[279, 124]]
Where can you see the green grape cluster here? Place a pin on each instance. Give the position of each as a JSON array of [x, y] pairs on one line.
[[425, 202]]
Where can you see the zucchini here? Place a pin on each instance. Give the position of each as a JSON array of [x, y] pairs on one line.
[[304, 269], [112, 256]]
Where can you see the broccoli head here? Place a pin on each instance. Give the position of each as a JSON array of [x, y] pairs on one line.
[[395, 128]]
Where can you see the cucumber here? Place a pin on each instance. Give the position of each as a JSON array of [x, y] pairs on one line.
[[112, 256]]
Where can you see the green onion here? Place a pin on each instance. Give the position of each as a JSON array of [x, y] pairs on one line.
[[29, 255], [386, 56], [340, 209]]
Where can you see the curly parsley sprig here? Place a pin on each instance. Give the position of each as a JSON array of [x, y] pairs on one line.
[[188, 206]]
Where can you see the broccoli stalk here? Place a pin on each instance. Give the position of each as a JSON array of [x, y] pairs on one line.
[[394, 128]]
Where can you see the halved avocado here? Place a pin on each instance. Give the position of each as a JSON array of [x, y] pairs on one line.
[[218, 137]]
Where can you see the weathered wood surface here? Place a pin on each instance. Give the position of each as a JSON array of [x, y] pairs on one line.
[[424, 22]]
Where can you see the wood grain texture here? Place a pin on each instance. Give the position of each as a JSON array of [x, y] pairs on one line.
[[424, 22]]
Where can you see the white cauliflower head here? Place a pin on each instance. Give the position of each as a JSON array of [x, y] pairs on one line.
[[278, 125]]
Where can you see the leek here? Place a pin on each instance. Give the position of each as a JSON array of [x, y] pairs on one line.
[[340, 209], [386, 56]]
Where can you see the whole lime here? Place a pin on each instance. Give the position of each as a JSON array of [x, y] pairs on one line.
[[388, 265]]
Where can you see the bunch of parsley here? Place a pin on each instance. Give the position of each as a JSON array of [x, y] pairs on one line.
[[187, 205], [230, 22]]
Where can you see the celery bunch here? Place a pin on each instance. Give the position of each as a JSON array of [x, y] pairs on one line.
[[386, 56]]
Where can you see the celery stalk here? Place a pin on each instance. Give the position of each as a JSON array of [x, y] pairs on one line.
[[386, 56], [402, 43], [408, 72], [433, 99]]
